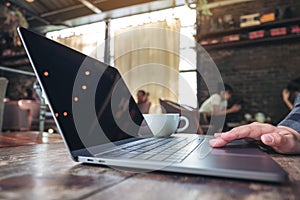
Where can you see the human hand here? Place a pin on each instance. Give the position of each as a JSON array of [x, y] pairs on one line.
[[234, 108], [282, 139]]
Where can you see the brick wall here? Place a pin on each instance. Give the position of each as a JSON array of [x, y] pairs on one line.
[[257, 72]]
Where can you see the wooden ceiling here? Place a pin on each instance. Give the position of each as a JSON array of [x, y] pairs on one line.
[[41, 13]]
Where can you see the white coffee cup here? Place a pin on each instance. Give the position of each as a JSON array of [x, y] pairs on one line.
[[163, 125]]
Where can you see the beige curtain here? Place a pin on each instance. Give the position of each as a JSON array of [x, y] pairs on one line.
[[85, 43], [148, 58]]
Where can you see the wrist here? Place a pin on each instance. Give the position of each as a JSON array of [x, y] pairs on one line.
[[294, 132], [296, 136], [290, 142]]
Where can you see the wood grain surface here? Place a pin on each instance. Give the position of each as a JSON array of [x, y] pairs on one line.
[[9, 139], [45, 171]]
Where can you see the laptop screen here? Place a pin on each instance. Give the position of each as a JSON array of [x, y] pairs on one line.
[[89, 99]]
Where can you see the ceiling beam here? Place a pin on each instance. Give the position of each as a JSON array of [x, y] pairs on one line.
[[125, 11], [90, 6], [55, 12]]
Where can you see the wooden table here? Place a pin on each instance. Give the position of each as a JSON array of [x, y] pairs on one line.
[[45, 171], [9, 139]]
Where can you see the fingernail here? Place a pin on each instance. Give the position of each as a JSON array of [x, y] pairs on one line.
[[212, 142], [268, 139]]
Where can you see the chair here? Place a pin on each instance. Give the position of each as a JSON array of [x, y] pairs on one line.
[[3, 87], [14, 118], [24, 115], [33, 109], [192, 114]]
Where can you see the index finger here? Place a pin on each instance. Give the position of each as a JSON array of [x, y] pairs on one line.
[[254, 130]]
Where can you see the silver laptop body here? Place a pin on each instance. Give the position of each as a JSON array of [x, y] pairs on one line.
[[101, 124]]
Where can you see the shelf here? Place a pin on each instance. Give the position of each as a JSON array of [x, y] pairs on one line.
[[7, 58], [263, 32], [16, 63], [14, 58], [273, 24], [285, 38]]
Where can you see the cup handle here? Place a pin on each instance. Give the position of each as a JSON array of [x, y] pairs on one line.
[[187, 123]]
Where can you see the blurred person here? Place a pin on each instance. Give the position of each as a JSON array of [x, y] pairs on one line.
[[141, 96], [292, 89], [143, 101], [217, 103]]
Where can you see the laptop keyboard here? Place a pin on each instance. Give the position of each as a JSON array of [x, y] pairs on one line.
[[173, 149]]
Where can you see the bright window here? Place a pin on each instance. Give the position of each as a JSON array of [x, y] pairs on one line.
[[187, 65]]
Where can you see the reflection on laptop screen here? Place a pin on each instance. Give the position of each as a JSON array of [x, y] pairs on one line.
[[104, 110], [91, 108]]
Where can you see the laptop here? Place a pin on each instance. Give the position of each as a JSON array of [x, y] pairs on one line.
[[101, 124]]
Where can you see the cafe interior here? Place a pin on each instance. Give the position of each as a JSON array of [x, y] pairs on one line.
[[174, 53]]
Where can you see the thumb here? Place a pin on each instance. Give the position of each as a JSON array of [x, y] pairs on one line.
[[268, 139]]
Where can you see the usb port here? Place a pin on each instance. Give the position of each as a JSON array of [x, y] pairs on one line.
[[90, 160]]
